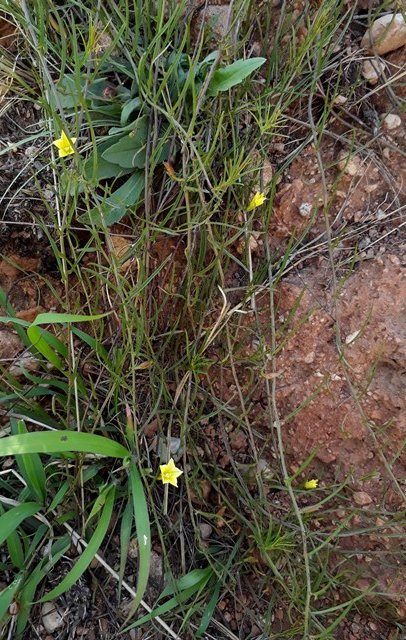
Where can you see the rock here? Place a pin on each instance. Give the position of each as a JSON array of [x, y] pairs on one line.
[[392, 121], [205, 530], [386, 34], [340, 100], [216, 17], [305, 209], [351, 165], [51, 617], [267, 174], [25, 362], [10, 345], [372, 69], [361, 498]]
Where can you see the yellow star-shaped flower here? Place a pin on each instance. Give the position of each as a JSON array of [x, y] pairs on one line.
[[256, 201], [65, 145], [169, 473], [311, 484]]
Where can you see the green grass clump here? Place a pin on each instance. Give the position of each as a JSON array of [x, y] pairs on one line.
[[171, 142]]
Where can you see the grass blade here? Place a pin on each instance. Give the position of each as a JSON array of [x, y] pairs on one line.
[[31, 467], [89, 552], [59, 442], [10, 520], [143, 535]]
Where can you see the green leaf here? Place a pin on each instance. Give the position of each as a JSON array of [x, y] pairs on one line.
[[125, 536], [209, 611], [115, 207], [143, 530], [31, 467], [59, 442], [89, 552], [98, 504], [191, 579], [7, 595], [27, 594], [164, 608], [130, 150], [233, 74], [128, 109], [39, 339], [93, 343], [69, 91], [5, 303], [10, 520], [96, 168], [61, 318]]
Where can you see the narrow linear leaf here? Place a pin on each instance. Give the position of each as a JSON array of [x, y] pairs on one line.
[[143, 535], [12, 519], [89, 552], [31, 467], [7, 595], [209, 611], [164, 608], [61, 318], [125, 536], [61, 441], [26, 595], [191, 579]]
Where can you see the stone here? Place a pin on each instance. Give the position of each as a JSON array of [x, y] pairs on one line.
[[372, 70], [10, 345], [362, 499], [205, 530], [387, 33], [217, 19], [351, 165], [51, 617], [340, 100], [392, 121]]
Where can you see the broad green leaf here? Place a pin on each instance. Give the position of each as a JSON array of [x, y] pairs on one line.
[[143, 535], [227, 77], [96, 168], [115, 206], [89, 552], [31, 467], [10, 520], [70, 92], [61, 441], [128, 109], [130, 150]]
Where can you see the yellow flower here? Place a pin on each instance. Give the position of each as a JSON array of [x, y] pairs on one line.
[[65, 145], [256, 201], [169, 473], [311, 484]]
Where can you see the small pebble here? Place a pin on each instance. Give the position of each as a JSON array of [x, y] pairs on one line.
[[51, 617], [362, 499], [392, 121], [372, 69], [205, 530]]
